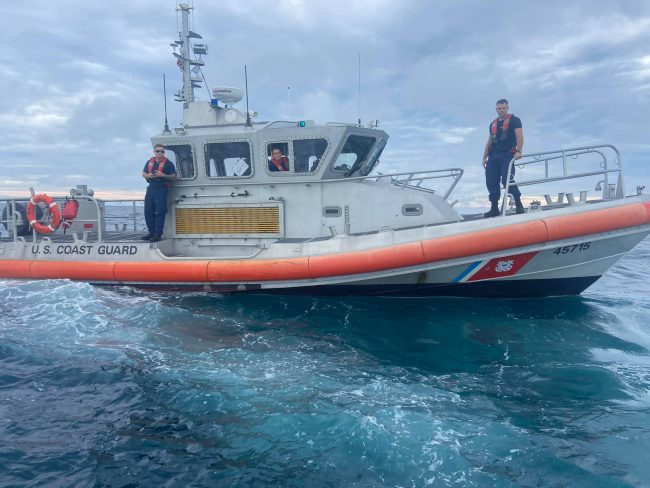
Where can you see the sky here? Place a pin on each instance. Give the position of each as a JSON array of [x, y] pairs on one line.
[[82, 81]]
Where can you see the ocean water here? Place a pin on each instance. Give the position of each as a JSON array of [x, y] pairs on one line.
[[119, 388]]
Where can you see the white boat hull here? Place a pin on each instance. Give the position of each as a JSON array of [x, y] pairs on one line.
[[515, 256]]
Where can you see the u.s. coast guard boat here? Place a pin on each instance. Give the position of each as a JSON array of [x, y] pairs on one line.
[[328, 225]]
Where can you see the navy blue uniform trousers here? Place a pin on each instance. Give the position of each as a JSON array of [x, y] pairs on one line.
[[496, 173], [155, 208]]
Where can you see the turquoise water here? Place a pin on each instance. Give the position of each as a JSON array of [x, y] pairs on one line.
[[114, 387]]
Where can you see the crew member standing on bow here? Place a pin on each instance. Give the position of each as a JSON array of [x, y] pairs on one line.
[[506, 141], [159, 172]]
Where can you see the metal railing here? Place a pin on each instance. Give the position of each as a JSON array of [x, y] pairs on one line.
[[416, 180], [132, 218], [566, 156], [413, 180], [101, 220]]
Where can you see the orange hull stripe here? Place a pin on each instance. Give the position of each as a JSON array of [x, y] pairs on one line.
[[263, 270], [14, 269], [484, 241], [565, 227], [397, 256], [349, 263], [647, 208], [81, 271], [159, 271]]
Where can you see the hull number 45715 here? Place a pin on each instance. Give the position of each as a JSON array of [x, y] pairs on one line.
[[576, 247]]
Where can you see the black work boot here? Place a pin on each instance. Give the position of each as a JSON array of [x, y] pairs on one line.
[[519, 207], [494, 210]]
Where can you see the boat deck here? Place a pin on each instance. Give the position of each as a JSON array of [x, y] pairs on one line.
[[125, 236], [136, 236]]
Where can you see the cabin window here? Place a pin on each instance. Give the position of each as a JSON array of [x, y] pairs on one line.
[[353, 154], [373, 158], [182, 157], [228, 159], [307, 154], [281, 164]]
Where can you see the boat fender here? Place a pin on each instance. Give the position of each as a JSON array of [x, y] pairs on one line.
[[52, 212], [70, 212]]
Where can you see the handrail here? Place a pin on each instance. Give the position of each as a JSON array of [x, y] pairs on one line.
[[11, 222], [14, 217], [564, 155], [289, 124], [455, 173], [99, 215], [134, 211], [414, 182]]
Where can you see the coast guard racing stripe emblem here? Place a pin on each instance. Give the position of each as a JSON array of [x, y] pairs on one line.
[[494, 268]]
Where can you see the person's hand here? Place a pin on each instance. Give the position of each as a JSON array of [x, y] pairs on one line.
[[517, 154], [485, 160]]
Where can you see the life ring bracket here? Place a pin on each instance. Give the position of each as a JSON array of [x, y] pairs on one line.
[[52, 212]]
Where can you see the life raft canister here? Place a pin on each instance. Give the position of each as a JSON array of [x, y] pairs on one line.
[[70, 211], [51, 209]]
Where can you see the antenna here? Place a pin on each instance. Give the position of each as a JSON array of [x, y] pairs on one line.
[[248, 114], [166, 130], [359, 91]]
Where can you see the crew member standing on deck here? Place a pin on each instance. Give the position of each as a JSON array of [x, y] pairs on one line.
[[159, 172], [506, 141]]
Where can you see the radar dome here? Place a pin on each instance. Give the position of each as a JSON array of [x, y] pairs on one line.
[[227, 95]]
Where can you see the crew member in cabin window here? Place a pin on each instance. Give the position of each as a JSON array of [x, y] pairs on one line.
[[159, 173], [278, 162], [505, 141]]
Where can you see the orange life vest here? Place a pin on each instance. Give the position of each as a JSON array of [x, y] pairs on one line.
[[161, 167], [504, 129], [283, 165]]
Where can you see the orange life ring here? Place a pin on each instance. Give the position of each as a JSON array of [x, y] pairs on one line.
[[52, 211]]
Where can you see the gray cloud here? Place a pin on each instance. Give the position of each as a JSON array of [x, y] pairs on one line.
[[82, 81]]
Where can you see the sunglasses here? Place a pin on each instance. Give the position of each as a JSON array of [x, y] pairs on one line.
[[160, 151]]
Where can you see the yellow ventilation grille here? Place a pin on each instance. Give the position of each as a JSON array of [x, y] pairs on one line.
[[231, 220]]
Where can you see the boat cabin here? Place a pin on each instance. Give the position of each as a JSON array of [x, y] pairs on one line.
[[228, 189]]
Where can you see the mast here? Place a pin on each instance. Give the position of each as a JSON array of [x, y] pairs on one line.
[[184, 61], [188, 54]]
